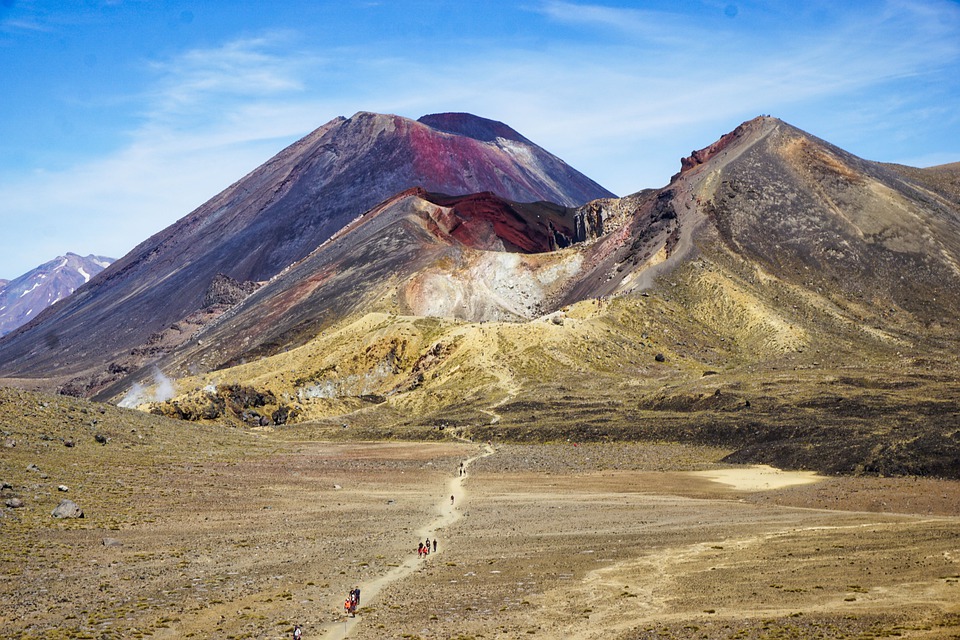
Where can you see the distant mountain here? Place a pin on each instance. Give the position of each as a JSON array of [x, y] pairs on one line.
[[270, 219], [24, 298]]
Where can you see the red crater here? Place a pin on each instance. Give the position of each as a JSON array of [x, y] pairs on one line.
[[485, 221]]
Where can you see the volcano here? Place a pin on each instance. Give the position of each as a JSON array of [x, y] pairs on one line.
[[779, 297], [270, 219]]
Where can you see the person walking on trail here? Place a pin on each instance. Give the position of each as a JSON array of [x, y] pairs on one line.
[[451, 500], [426, 546], [419, 549], [356, 595], [297, 633], [434, 545]]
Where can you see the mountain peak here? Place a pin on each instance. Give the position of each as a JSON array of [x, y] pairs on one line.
[[746, 131], [23, 298], [467, 124]]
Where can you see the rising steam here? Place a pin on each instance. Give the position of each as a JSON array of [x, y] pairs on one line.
[[161, 390]]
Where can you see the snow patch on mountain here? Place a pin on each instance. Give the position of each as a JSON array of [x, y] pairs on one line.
[[23, 298]]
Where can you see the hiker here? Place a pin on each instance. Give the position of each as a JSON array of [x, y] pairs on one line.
[[297, 633], [451, 500], [434, 545], [419, 549], [426, 546], [356, 596]]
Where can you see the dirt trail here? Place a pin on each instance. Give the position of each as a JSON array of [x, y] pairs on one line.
[[696, 185], [448, 512]]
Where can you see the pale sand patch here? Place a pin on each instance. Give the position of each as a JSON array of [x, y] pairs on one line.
[[759, 477]]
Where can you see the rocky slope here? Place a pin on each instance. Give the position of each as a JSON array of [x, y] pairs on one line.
[[780, 296], [273, 217], [23, 298], [478, 258], [942, 180]]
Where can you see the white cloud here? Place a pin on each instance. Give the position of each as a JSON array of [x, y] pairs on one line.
[[246, 69], [649, 26]]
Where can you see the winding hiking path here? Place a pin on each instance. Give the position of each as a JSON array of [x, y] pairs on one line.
[[447, 514]]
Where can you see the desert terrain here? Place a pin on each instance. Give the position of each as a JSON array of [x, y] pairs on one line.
[[198, 531]]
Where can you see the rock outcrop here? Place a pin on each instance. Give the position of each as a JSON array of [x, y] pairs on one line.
[[67, 509]]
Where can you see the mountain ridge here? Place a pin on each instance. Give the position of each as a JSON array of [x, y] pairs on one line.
[[28, 295]]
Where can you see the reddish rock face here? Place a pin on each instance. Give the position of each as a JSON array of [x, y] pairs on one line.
[[485, 221], [701, 156]]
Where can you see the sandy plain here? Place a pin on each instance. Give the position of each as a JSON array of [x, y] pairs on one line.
[[552, 541]]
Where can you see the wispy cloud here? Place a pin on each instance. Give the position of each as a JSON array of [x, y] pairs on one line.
[[645, 25], [246, 69], [22, 17], [23, 25], [709, 75], [210, 116]]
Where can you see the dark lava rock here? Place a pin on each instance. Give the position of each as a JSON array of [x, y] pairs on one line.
[[227, 291], [660, 357], [67, 509]]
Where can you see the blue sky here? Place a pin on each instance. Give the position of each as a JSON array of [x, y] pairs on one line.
[[120, 117]]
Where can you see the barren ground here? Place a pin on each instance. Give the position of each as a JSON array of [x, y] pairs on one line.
[[241, 536]]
